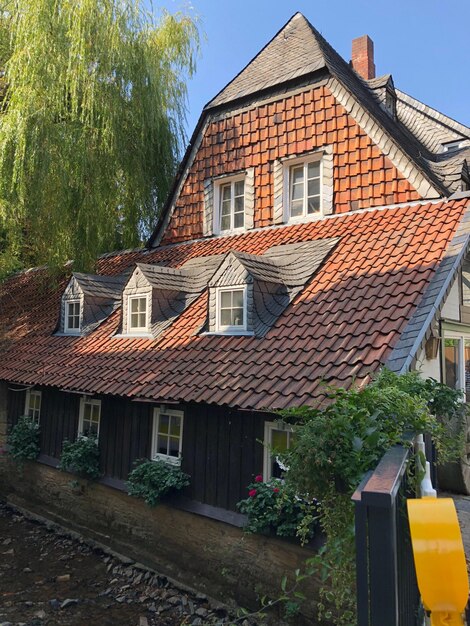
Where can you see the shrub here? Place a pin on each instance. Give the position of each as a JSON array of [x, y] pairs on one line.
[[336, 444], [152, 480], [24, 440], [272, 508], [81, 457]]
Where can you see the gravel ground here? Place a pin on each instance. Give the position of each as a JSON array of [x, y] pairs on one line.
[[48, 578]]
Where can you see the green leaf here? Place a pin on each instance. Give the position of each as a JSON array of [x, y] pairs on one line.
[[284, 583]]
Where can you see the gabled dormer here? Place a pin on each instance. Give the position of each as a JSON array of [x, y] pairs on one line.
[[384, 92], [249, 292], [87, 301], [155, 295]]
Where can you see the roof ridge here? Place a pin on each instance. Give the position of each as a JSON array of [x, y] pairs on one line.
[[207, 105]]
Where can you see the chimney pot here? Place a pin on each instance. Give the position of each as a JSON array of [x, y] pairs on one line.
[[362, 57]]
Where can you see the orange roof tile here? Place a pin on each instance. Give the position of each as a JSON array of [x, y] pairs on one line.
[[342, 325]]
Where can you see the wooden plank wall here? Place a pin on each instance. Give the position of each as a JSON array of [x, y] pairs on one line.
[[221, 446]]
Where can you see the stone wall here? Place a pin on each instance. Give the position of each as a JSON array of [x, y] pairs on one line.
[[209, 556]]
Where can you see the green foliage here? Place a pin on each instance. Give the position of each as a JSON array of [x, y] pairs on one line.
[[81, 457], [335, 445], [23, 440], [152, 480], [273, 508], [92, 125]]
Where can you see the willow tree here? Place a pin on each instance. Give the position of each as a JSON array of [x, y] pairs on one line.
[[91, 128]]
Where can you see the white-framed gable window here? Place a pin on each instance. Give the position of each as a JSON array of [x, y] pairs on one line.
[[278, 438], [72, 320], [90, 417], [230, 204], [167, 435], [33, 404], [137, 314], [304, 188], [231, 309]]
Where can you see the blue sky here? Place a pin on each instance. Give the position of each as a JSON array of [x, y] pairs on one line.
[[424, 44]]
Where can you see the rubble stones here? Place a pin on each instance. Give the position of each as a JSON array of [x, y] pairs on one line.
[[105, 585]]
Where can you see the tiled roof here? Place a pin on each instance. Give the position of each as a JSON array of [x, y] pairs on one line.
[[429, 126], [192, 278], [339, 328], [100, 286], [298, 56]]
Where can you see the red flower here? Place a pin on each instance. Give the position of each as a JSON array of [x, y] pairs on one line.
[[276, 489], [252, 493], [258, 479]]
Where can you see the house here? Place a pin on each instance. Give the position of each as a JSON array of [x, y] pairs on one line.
[[317, 230]]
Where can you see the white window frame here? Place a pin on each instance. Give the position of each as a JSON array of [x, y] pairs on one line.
[[72, 331], [95, 402], [159, 456], [267, 441], [231, 329], [288, 165], [27, 406], [218, 184], [139, 329]]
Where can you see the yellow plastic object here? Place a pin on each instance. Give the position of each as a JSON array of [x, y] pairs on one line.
[[439, 559]]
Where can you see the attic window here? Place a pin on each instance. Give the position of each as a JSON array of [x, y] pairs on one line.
[[137, 306], [72, 317], [305, 189], [230, 200], [231, 309], [452, 146]]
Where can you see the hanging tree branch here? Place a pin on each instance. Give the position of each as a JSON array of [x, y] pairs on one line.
[[92, 127]]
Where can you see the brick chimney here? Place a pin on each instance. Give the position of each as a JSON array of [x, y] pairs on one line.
[[363, 57]]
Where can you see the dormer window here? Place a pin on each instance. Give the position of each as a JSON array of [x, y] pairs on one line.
[[231, 309], [452, 146], [72, 317], [138, 308], [231, 208]]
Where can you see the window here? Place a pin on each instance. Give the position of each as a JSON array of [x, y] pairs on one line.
[[137, 313], [167, 436], [304, 189], [457, 363], [72, 317], [277, 439], [452, 146], [232, 205], [33, 405], [231, 309], [90, 415]]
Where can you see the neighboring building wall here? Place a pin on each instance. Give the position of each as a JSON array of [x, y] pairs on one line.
[[451, 308], [431, 368], [288, 125]]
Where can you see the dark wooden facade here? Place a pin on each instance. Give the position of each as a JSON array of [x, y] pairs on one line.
[[222, 448]]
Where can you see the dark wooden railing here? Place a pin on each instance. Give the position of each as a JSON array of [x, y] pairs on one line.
[[387, 592]]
